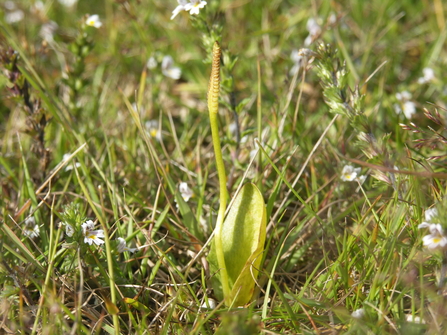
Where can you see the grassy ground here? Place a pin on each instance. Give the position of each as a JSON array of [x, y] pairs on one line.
[[341, 256]]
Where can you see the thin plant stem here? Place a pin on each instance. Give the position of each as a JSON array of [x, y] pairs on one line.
[[259, 123], [442, 274]]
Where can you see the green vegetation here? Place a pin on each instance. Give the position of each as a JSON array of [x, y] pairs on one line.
[[335, 111]]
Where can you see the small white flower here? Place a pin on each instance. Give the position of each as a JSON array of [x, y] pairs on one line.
[[151, 63], [428, 75], [93, 21], [349, 173], [90, 235], [123, 247], [430, 214], [69, 166], [302, 57], [31, 229], [313, 27], [179, 8], [185, 191], [297, 60], [211, 304], [88, 225], [140, 110], [37, 7], [232, 128], [244, 139], [308, 40], [407, 107], [15, 16], [307, 53], [358, 313], [68, 3], [403, 96], [203, 224], [314, 30], [255, 150], [152, 127], [47, 33], [436, 238], [168, 68], [10, 5], [194, 6], [424, 225], [332, 19], [361, 179], [397, 108], [69, 230]]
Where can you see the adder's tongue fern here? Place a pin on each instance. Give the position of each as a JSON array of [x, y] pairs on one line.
[[213, 106]]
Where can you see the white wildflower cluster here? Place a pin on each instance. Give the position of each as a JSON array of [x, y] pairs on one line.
[[405, 105], [436, 239], [82, 232], [349, 173], [427, 76], [192, 6], [89, 234]]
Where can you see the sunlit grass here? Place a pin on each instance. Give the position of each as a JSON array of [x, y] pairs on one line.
[[336, 244]]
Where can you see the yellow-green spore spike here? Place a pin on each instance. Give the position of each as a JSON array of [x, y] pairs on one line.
[[214, 86]]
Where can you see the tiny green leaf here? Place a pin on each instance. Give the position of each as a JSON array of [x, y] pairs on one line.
[[138, 305]]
